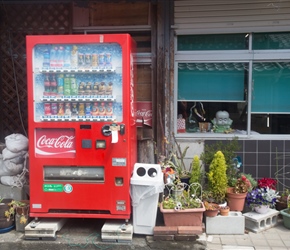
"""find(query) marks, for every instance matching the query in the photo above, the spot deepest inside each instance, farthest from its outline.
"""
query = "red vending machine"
(82, 132)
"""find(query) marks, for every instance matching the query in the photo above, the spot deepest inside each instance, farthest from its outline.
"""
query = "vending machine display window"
(77, 82)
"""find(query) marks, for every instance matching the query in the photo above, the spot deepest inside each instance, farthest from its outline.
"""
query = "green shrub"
(217, 177)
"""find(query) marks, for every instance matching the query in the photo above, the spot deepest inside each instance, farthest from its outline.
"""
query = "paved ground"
(86, 234)
(276, 238)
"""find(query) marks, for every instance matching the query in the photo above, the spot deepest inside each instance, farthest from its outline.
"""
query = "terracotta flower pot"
(224, 211)
(236, 202)
(186, 217)
(211, 213)
(212, 209)
(280, 205)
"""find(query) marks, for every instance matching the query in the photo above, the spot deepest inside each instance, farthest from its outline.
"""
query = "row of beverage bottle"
(66, 85)
(78, 109)
(69, 57)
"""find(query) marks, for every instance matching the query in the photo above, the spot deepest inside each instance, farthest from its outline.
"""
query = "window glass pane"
(213, 42)
(271, 87)
(194, 113)
(270, 123)
(271, 41)
(212, 81)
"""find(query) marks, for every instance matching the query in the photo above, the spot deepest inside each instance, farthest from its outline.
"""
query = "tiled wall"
(259, 159)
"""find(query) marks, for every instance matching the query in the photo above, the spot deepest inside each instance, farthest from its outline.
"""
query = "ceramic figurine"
(222, 122)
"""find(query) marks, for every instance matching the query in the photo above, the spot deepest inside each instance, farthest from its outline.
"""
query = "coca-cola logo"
(144, 113)
(63, 141)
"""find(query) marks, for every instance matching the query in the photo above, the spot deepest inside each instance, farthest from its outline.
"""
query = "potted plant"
(18, 210)
(4, 223)
(236, 195)
(176, 190)
(217, 178)
(262, 197)
(224, 211)
(286, 214)
(186, 210)
(174, 164)
(196, 173)
(281, 202)
(211, 209)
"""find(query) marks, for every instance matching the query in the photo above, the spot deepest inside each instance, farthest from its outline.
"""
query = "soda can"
(88, 90)
(95, 88)
(67, 109)
(74, 109)
(81, 89)
(47, 109)
(95, 109)
(60, 109)
(88, 60)
(54, 108)
(81, 109)
(102, 62)
(73, 85)
(94, 60)
(102, 109)
(74, 57)
(81, 60)
(88, 109)
(108, 60)
(66, 85)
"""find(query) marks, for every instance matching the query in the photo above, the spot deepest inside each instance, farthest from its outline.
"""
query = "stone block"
(259, 222)
(190, 230)
(15, 193)
(181, 237)
(117, 231)
(163, 237)
(234, 223)
(159, 230)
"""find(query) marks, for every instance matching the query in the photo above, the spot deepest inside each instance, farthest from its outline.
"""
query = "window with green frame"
(203, 88)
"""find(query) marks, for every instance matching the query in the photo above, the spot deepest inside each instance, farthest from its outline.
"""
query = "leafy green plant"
(11, 211)
(217, 177)
(185, 201)
(207, 196)
(210, 206)
(196, 174)
(229, 149)
(284, 195)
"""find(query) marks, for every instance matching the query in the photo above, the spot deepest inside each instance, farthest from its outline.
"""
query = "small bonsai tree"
(217, 177)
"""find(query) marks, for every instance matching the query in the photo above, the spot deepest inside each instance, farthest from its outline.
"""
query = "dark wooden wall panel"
(17, 21)
(118, 14)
